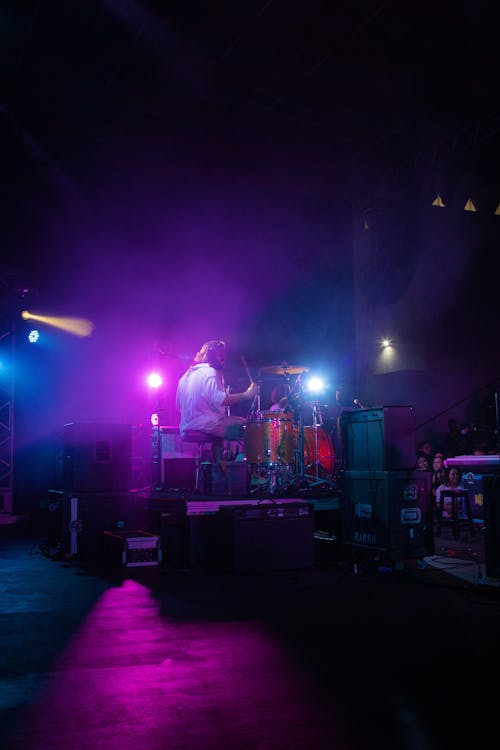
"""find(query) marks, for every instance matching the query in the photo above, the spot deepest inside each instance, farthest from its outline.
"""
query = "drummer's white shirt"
(199, 398)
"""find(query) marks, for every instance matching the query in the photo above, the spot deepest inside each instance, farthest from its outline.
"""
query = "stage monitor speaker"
(96, 457)
(389, 511)
(378, 439)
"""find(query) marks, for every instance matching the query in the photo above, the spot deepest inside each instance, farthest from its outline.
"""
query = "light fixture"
(77, 326)
(315, 384)
(469, 206)
(154, 380)
(497, 210)
(438, 201)
(33, 336)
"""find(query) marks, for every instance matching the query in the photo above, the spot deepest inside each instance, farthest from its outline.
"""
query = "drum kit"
(283, 450)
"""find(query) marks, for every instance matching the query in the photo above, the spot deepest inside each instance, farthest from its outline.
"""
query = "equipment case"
(389, 511)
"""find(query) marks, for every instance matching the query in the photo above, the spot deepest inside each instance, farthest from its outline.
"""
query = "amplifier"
(265, 537)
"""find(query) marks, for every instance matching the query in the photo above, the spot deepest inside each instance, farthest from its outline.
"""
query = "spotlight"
(154, 380)
(315, 384)
(33, 336)
(155, 419)
(385, 343)
(76, 326)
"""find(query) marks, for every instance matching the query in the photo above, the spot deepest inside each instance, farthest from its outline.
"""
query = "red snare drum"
(270, 441)
(326, 455)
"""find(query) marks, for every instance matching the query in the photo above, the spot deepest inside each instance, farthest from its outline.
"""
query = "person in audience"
(452, 481)
(423, 463)
(424, 449)
(438, 475)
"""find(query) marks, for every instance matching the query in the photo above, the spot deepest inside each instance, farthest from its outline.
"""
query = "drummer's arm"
(236, 398)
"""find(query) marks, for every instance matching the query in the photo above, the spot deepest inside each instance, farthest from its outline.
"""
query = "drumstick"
(245, 365)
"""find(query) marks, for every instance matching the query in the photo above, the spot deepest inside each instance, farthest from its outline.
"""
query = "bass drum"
(270, 441)
(326, 454)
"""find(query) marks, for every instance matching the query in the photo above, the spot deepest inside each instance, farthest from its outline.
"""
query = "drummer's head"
(213, 352)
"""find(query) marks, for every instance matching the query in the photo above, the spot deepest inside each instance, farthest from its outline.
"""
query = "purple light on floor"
(133, 665)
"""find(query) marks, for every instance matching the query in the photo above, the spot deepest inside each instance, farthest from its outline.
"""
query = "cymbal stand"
(317, 422)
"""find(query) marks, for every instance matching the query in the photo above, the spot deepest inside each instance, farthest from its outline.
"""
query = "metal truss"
(7, 362)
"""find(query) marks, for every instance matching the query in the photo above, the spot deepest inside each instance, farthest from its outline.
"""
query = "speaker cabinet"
(388, 511)
(378, 439)
(96, 457)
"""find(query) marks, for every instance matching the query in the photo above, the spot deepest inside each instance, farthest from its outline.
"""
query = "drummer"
(203, 399)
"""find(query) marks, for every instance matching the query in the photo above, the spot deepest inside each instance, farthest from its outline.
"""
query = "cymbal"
(284, 369)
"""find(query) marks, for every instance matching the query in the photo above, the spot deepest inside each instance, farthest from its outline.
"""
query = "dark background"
(261, 172)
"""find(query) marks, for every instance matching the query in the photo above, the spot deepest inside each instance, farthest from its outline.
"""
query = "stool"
(210, 448)
(459, 499)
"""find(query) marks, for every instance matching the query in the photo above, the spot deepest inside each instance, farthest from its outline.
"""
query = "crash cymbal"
(284, 369)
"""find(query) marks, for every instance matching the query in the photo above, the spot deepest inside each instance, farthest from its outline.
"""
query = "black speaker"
(266, 537)
(378, 439)
(388, 511)
(491, 487)
(96, 457)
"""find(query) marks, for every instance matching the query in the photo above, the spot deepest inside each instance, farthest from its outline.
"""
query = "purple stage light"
(154, 380)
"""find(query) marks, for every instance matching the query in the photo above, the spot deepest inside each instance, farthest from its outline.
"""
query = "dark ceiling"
(327, 85)
(180, 127)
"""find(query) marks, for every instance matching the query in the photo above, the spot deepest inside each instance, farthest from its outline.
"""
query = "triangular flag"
(438, 201)
(497, 211)
(469, 206)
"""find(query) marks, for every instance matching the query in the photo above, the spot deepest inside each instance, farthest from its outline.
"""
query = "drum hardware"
(284, 369)
(323, 475)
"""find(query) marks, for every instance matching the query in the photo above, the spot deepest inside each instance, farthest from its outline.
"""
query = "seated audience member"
(452, 481)
(424, 449)
(438, 474)
(423, 464)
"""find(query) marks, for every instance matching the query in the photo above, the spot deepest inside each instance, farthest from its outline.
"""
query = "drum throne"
(211, 449)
